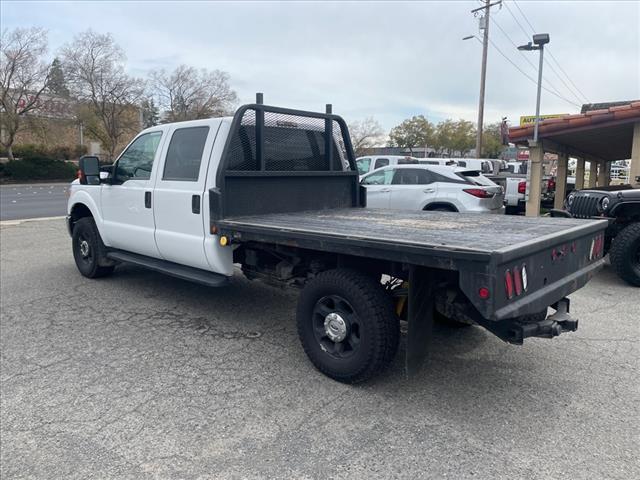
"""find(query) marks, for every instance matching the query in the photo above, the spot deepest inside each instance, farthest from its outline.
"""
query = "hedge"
(38, 168)
(32, 150)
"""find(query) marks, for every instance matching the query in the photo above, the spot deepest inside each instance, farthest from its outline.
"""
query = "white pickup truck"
(275, 191)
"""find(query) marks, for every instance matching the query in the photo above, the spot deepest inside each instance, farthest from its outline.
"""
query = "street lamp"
(539, 41)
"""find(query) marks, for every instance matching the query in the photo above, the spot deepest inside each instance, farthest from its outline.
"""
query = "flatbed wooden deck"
(474, 236)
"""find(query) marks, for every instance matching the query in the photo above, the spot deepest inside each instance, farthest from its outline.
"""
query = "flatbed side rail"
(283, 160)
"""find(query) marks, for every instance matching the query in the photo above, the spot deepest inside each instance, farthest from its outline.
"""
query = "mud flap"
(419, 317)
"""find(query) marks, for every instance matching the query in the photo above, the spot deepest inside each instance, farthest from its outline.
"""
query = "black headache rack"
(280, 160)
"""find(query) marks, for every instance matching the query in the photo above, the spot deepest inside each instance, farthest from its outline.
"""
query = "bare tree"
(189, 94)
(365, 134)
(94, 68)
(23, 77)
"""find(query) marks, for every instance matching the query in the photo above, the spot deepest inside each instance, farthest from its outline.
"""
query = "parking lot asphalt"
(144, 376)
(32, 201)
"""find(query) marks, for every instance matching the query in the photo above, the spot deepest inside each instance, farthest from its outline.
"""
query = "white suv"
(431, 187)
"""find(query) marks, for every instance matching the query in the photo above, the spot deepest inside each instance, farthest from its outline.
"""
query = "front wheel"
(347, 325)
(625, 254)
(88, 250)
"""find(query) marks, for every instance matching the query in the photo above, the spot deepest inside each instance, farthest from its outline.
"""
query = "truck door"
(412, 189)
(179, 189)
(127, 203)
(378, 185)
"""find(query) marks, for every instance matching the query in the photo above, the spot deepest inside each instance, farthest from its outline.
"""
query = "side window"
(137, 161)
(363, 165)
(381, 162)
(185, 154)
(462, 163)
(411, 176)
(379, 178)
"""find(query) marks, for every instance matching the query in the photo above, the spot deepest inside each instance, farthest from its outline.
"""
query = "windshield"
(363, 165)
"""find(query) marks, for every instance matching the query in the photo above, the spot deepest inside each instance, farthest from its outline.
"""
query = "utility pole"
(483, 72)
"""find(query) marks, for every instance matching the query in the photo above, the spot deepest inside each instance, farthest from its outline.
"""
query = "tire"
(441, 209)
(353, 306)
(88, 250)
(625, 254)
(511, 210)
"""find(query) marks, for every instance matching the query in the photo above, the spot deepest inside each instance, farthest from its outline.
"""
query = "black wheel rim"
(341, 314)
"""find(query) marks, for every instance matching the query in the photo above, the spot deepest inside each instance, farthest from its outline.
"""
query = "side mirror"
(106, 173)
(89, 170)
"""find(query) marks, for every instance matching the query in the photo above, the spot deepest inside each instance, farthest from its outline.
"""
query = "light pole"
(539, 41)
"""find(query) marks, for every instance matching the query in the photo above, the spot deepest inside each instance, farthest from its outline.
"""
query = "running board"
(174, 269)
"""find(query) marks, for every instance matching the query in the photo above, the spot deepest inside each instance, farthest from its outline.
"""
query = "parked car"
(620, 204)
(192, 200)
(373, 162)
(432, 187)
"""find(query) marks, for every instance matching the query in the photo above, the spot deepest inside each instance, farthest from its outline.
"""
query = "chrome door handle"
(385, 189)
(428, 190)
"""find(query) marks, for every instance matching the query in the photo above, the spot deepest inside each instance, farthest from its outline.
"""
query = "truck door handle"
(195, 204)
(385, 189)
(429, 190)
(147, 199)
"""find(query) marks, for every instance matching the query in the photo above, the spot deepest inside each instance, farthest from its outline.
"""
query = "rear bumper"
(515, 330)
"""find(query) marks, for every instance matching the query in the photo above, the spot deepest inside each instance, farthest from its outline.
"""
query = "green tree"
(492, 145)
(57, 84)
(150, 112)
(414, 132)
(464, 136)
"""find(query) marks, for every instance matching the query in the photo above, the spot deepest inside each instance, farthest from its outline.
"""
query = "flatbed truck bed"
(463, 236)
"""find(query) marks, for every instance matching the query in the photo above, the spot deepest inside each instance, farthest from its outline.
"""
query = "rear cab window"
(185, 154)
(381, 162)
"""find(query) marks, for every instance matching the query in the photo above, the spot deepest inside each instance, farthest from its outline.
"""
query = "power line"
(533, 30)
(527, 75)
(523, 55)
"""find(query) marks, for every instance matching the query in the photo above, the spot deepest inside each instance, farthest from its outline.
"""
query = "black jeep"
(621, 205)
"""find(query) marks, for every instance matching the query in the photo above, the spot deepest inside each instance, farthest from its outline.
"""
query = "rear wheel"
(347, 325)
(625, 254)
(88, 249)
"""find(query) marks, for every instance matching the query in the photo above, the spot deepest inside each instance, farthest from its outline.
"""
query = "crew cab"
(276, 192)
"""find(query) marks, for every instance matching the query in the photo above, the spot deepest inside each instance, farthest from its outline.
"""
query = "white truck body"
(169, 230)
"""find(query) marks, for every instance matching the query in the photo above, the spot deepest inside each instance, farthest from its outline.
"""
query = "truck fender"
(80, 201)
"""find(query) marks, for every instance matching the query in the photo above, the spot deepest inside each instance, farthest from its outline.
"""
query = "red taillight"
(517, 280)
(597, 247)
(478, 192)
(483, 292)
(508, 283)
(522, 187)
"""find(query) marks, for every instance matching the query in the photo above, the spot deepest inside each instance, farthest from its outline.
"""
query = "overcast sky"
(390, 60)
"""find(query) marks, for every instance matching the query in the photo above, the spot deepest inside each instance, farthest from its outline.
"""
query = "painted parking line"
(7, 223)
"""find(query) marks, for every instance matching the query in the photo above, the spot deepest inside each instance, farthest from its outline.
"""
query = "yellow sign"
(531, 119)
